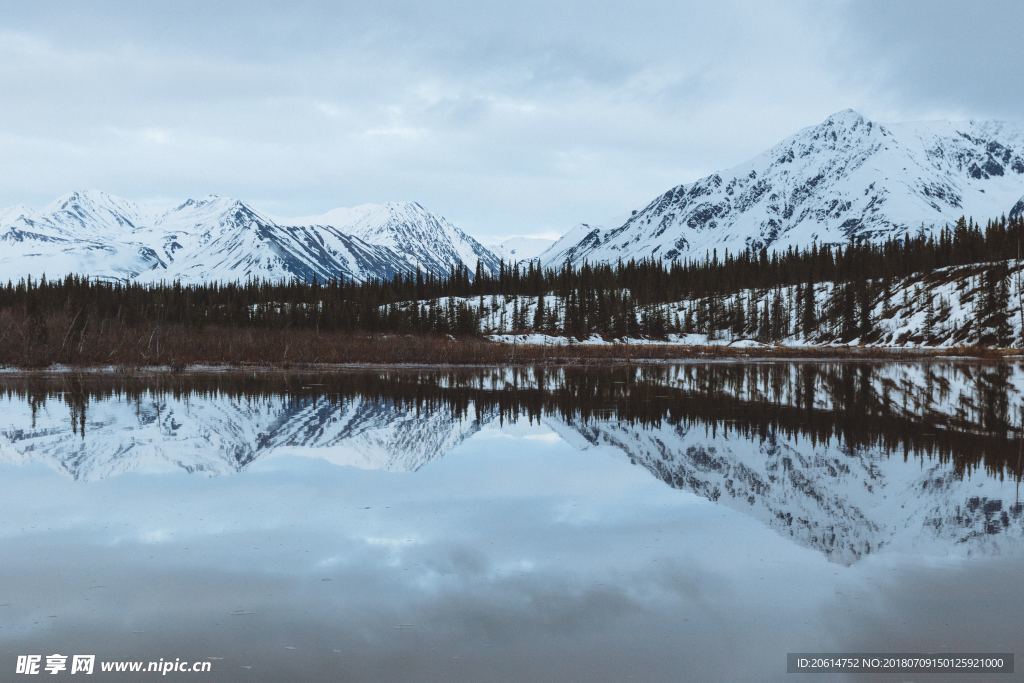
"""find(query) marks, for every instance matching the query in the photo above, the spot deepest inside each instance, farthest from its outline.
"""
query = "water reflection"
(844, 458)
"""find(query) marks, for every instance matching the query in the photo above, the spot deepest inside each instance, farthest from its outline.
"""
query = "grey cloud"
(943, 57)
(507, 118)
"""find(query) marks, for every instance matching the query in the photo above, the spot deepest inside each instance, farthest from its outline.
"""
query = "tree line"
(613, 300)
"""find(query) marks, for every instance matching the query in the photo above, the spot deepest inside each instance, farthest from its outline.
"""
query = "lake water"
(674, 522)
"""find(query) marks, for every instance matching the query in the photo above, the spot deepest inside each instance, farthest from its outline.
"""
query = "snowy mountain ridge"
(222, 239)
(424, 240)
(520, 248)
(1017, 212)
(845, 178)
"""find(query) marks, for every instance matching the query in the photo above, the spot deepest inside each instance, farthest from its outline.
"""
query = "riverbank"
(177, 348)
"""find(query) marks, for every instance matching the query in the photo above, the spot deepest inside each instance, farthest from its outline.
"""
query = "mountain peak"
(1017, 212)
(81, 195)
(193, 202)
(846, 116)
(424, 240)
(215, 238)
(210, 205)
(10, 214)
(843, 128)
(86, 211)
(97, 198)
(845, 178)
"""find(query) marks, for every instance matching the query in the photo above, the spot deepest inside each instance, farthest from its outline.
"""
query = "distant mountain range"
(845, 178)
(521, 248)
(220, 239)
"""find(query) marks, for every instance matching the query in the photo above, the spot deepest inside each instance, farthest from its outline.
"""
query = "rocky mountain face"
(221, 239)
(1017, 212)
(573, 246)
(847, 178)
(422, 240)
(88, 233)
(519, 249)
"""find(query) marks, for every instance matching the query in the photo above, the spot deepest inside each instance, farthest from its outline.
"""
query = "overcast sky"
(508, 118)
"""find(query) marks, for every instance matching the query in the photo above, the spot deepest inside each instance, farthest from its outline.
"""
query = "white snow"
(424, 240)
(520, 248)
(223, 239)
(847, 177)
(900, 319)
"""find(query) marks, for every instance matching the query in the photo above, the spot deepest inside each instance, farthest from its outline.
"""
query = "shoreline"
(524, 355)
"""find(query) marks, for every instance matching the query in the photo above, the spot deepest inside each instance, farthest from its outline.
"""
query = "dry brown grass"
(60, 340)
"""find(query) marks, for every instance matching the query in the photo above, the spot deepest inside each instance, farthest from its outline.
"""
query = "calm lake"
(693, 521)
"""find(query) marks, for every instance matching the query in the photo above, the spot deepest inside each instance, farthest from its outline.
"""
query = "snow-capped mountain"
(845, 178)
(224, 239)
(423, 240)
(522, 248)
(92, 214)
(221, 239)
(1017, 211)
(573, 245)
(88, 233)
(12, 213)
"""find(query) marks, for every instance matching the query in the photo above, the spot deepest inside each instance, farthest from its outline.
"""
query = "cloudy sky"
(508, 118)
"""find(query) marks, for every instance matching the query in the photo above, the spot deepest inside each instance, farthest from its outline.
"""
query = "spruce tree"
(865, 324)
(808, 316)
(538, 314)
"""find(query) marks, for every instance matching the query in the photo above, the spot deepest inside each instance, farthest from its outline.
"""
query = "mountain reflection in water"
(845, 458)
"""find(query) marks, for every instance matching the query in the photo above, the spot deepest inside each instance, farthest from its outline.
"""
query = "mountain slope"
(524, 248)
(846, 178)
(89, 233)
(573, 246)
(221, 239)
(422, 239)
(1017, 212)
(224, 239)
(93, 213)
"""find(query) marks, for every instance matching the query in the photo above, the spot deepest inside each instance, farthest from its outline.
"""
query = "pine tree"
(808, 316)
(928, 331)
(538, 314)
(848, 310)
(778, 320)
(865, 324)
(764, 331)
(995, 305)
(739, 321)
